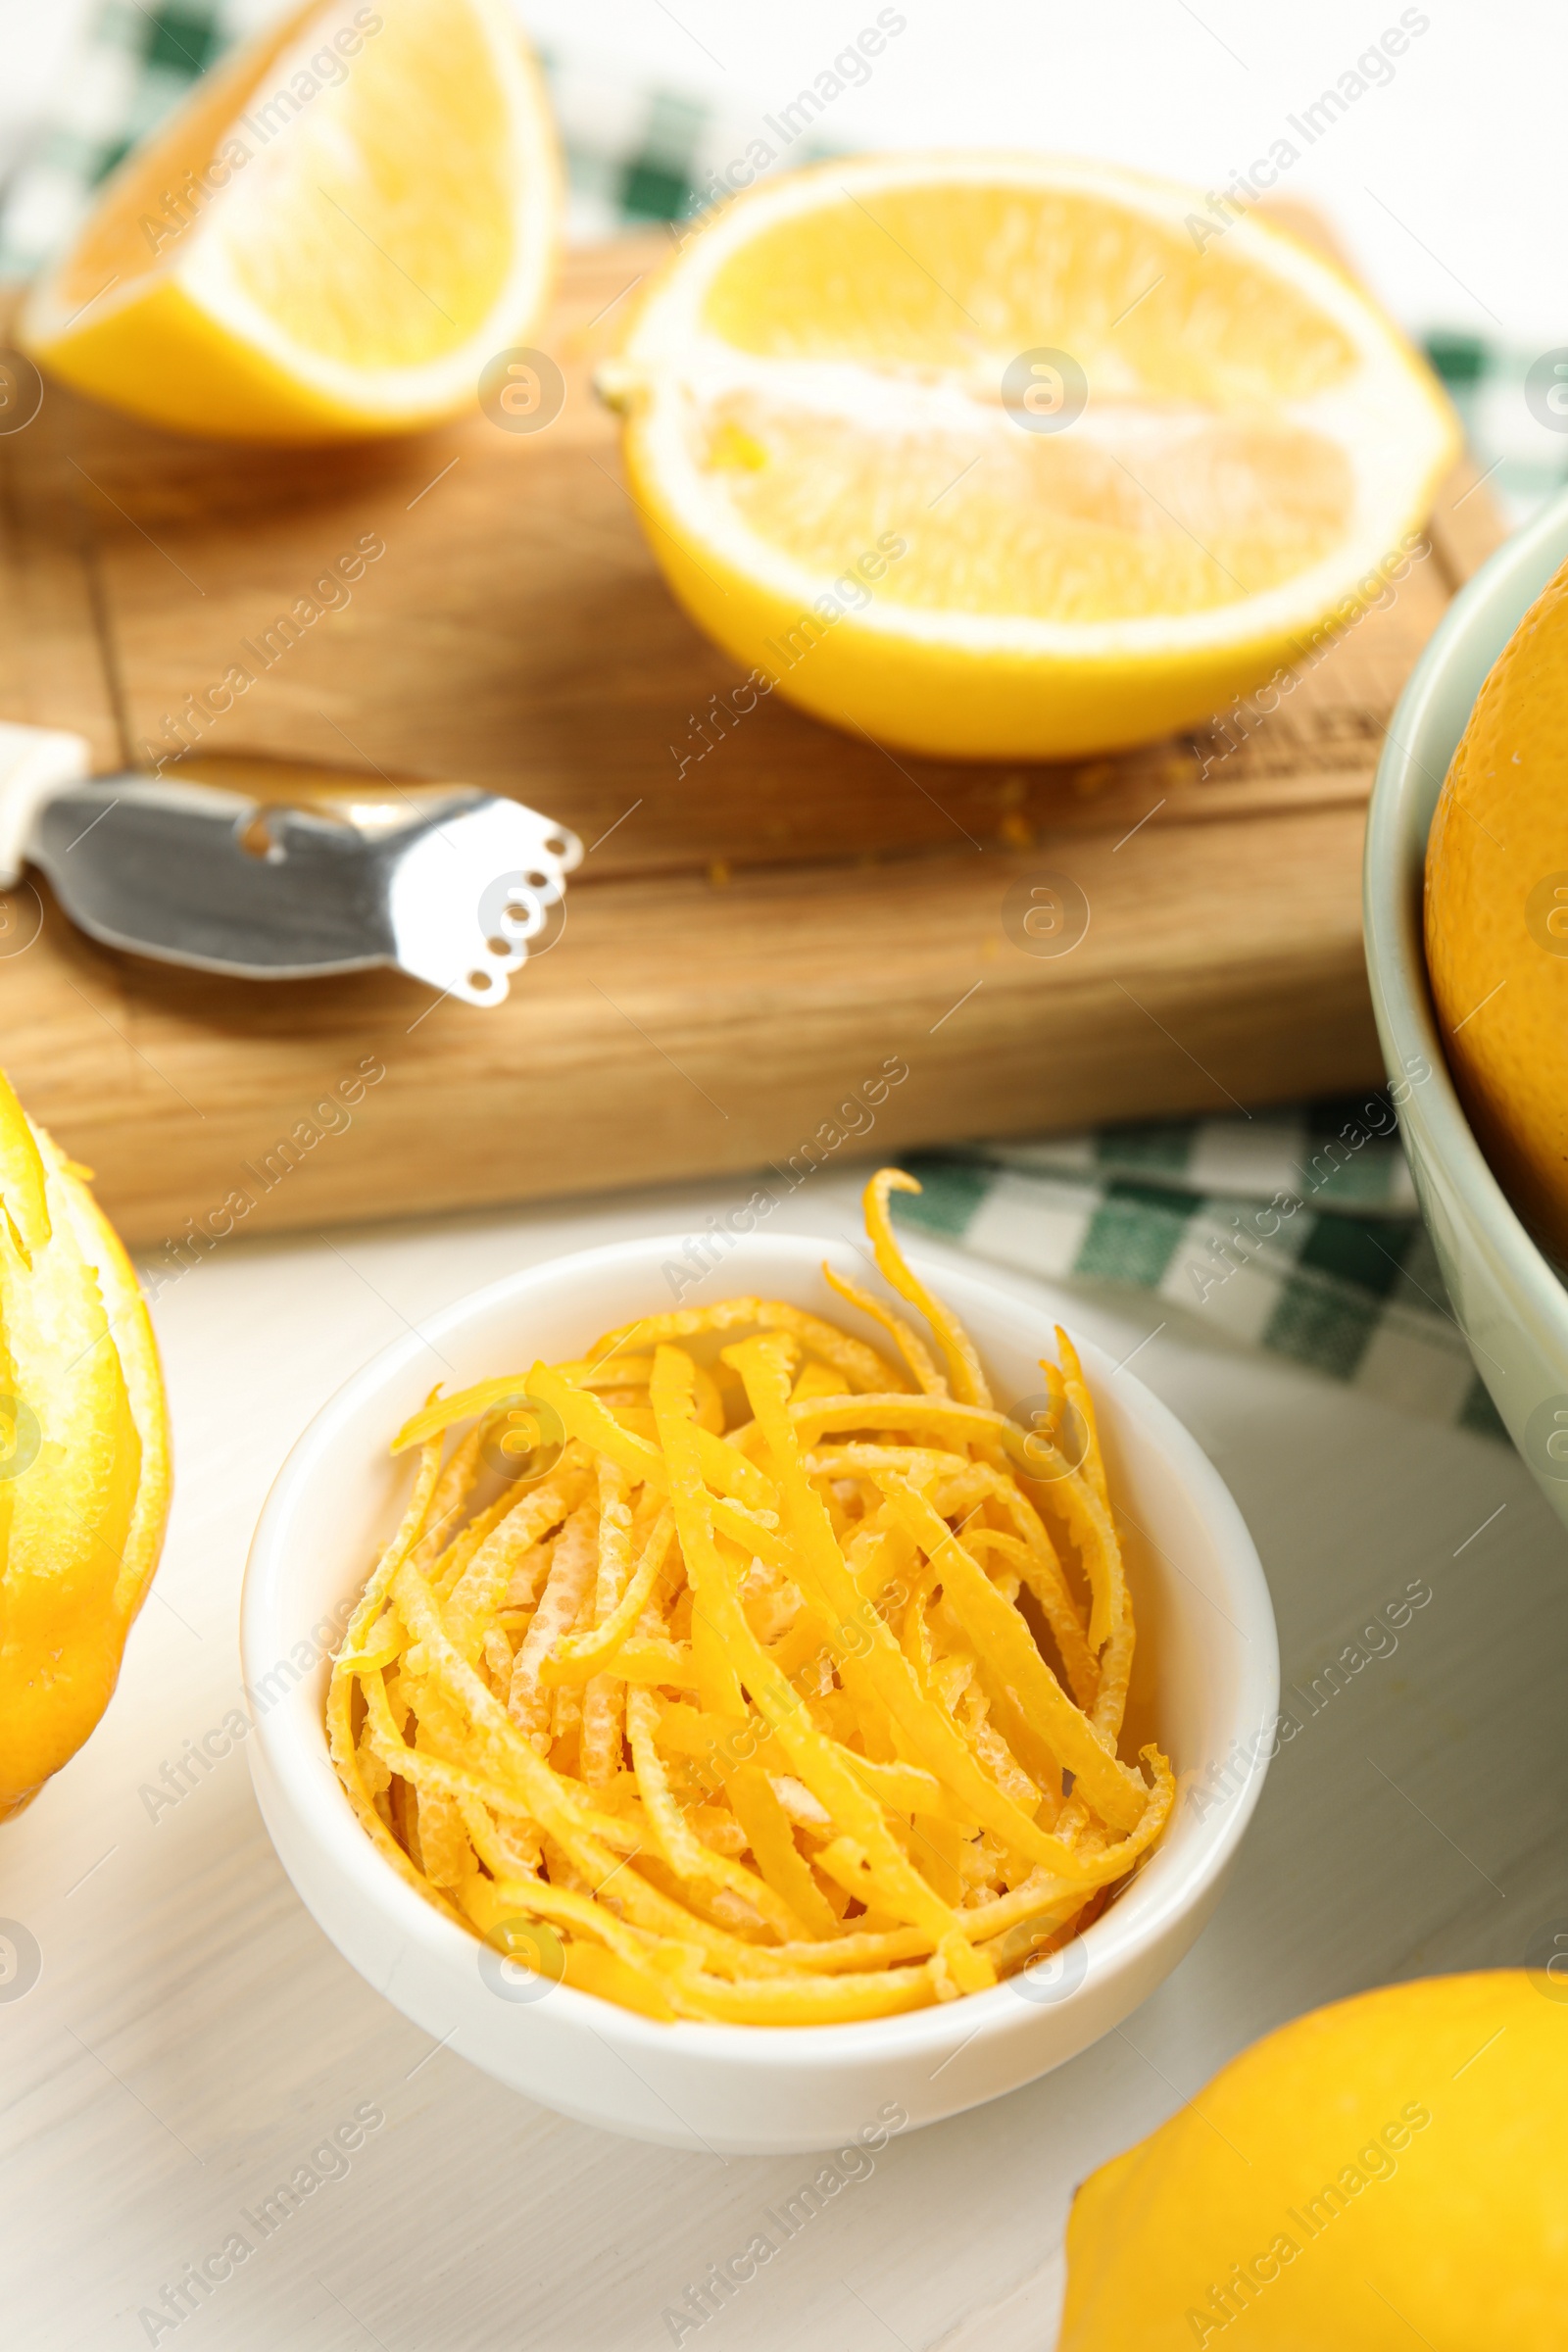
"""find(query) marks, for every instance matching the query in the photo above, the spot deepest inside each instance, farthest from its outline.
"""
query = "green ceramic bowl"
(1511, 1305)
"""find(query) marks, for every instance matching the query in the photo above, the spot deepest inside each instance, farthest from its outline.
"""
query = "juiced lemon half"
(1008, 456)
(330, 239)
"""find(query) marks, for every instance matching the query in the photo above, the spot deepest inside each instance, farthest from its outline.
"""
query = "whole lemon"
(1496, 917)
(83, 1457)
(1387, 2172)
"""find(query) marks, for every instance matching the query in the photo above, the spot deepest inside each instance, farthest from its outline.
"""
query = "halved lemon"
(329, 239)
(1002, 456)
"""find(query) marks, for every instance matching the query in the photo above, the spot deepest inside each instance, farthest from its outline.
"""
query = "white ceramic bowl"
(1511, 1305)
(1207, 1682)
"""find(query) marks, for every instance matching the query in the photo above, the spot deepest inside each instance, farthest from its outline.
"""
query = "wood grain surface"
(770, 911)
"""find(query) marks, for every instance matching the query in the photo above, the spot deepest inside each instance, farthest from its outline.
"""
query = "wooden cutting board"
(771, 916)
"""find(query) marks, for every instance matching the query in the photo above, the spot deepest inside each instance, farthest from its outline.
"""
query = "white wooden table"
(192, 2038)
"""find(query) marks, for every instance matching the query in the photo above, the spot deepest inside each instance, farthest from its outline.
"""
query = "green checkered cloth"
(1293, 1232)
(1296, 1232)
(1521, 444)
(634, 154)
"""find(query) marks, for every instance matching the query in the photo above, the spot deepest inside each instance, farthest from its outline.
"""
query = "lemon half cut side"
(991, 455)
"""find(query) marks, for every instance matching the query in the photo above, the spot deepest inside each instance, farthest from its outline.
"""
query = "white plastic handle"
(34, 762)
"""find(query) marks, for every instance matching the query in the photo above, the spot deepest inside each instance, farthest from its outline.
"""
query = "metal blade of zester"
(448, 883)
